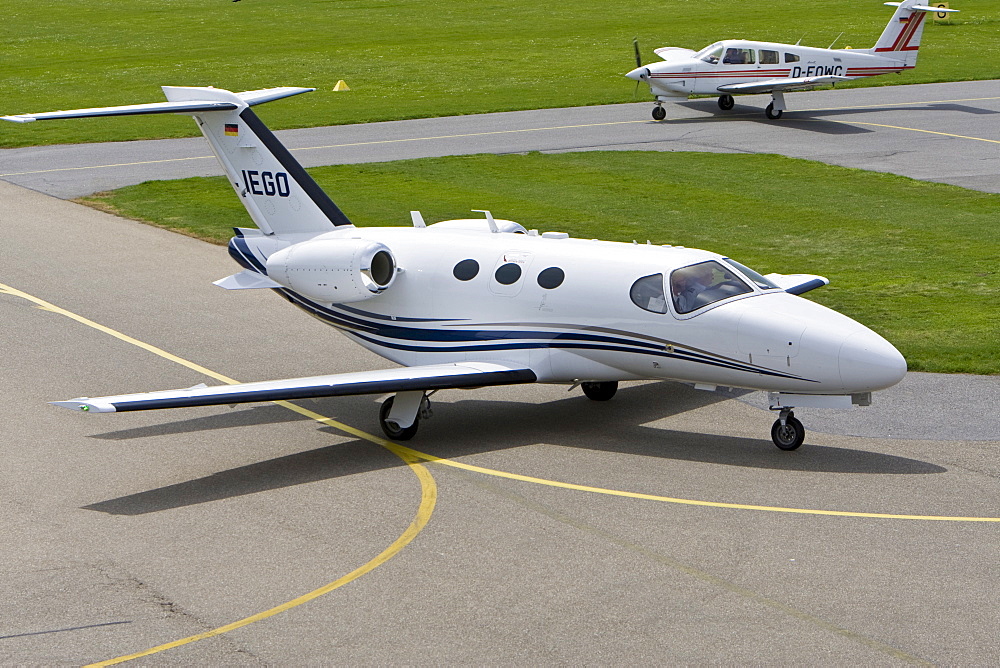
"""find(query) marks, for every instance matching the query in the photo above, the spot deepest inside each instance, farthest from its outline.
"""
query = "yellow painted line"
(930, 132)
(428, 489)
(544, 129)
(402, 450)
(686, 502)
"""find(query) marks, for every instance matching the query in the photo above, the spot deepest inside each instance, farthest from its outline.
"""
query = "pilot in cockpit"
(686, 284)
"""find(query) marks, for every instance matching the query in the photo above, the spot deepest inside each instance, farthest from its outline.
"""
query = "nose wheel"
(659, 113)
(787, 432)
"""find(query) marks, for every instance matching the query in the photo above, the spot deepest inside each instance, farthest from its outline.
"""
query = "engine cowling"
(334, 270)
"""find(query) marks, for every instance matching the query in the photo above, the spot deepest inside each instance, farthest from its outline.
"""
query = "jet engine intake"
(335, 271)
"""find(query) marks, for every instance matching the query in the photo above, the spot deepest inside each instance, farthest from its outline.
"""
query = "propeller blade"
(638, 58)
(635, 91)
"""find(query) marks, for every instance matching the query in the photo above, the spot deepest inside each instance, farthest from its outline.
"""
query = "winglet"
(85, 405)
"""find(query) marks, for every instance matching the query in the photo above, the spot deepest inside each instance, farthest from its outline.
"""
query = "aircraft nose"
(868, 362)
(639, 74)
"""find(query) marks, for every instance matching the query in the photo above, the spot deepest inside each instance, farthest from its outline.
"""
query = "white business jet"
(477, 302)
(739, 66)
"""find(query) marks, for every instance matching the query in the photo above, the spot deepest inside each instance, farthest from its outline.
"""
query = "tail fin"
(901, 37)
(277, 192)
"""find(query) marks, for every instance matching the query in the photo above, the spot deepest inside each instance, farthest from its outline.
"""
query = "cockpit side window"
(736, 56)
(712, 57)
(705, 283)
(647, 294)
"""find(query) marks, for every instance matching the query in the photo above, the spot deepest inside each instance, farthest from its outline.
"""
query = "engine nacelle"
(334, 270)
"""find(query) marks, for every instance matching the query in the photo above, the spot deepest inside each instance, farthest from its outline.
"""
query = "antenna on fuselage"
(489, 220)
(835, 40)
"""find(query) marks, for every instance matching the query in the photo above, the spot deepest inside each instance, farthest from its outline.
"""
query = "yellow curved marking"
(417, 455)
(502, 132)
(686, 502)
(428, 489)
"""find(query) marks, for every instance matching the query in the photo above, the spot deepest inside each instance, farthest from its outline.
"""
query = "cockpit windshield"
(705, 283)
(762, 282)
(710, 54)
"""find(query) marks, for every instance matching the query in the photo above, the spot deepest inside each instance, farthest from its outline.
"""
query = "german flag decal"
(232, 130)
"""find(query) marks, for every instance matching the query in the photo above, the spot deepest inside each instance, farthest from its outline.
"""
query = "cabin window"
(704, 283)
(768, 57)
(736, 56)
(647, 294)
(466, 270)
(551, 278)
(791, 58)
(508, 274)
(712, 57)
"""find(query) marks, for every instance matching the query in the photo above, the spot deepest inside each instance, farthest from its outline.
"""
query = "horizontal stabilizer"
(193, 105)
(431, 377)
(922, 8)
(796, 284)
(783, 84)
(246, 280)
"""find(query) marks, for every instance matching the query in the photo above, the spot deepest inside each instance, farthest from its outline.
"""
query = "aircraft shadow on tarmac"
(468, 427)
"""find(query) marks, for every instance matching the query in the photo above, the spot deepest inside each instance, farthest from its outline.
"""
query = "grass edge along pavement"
(409, 59)
(915, 261)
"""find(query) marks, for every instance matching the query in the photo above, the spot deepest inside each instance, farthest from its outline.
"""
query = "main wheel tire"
(726, 102)
(788, 436)
(600, 391)
(771, 112)
(391, 429)
(659, 113)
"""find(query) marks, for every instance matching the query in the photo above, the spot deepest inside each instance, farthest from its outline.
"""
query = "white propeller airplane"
(739, 66)
(476, 302)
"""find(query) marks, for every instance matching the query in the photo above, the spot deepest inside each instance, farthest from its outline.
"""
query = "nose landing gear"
(659, 113)
(787, 432)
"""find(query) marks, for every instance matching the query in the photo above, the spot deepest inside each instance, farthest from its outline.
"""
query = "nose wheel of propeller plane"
(771, 112)
(787, 432)
(659, 113)
(726, 102)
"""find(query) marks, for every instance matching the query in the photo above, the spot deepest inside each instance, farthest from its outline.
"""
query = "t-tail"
(280, 196)
(901, 38)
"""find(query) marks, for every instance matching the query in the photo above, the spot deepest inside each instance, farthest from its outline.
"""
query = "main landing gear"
(726, 102)
(787, 432)
(600, 391)
(399, 419)
(772, 113)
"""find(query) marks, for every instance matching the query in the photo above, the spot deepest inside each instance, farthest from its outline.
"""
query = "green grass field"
(915, 261)
(406, 58)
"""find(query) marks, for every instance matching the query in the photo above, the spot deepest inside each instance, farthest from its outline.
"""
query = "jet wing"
(796, 284)
(784, 84)
(430, 377)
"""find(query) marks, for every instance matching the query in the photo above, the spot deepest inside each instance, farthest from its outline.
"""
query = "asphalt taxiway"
(936, 132)
(662, 526)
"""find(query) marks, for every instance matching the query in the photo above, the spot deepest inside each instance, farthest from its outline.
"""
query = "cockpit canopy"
(696, 286)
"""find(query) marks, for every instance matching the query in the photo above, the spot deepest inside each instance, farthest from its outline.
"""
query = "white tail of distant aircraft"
(472, 303)
(748, 67)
